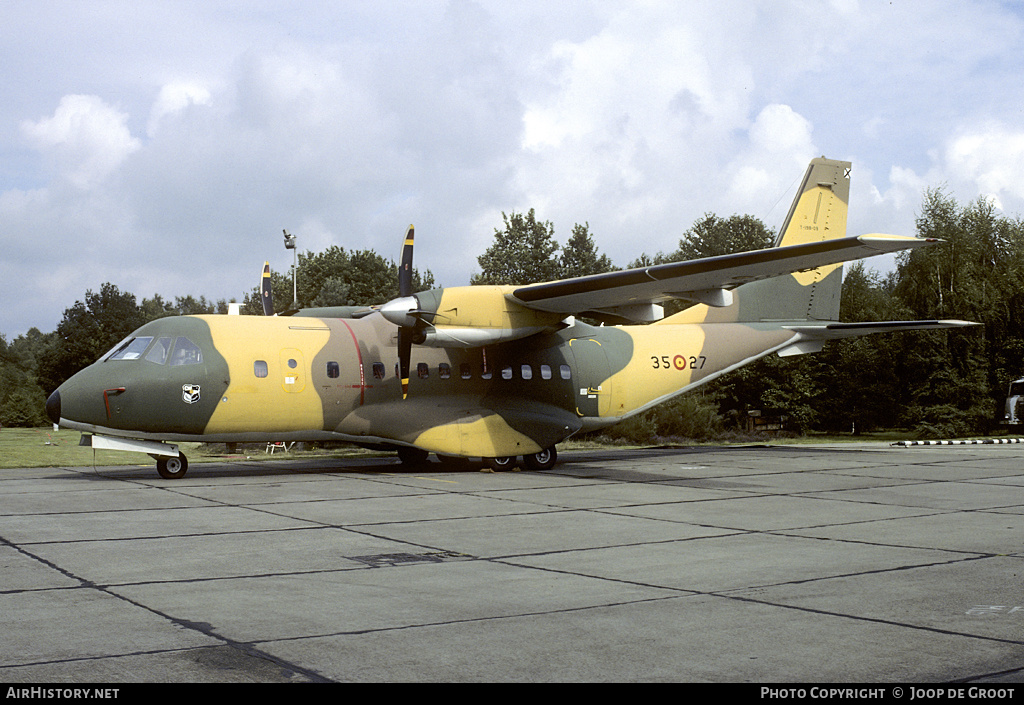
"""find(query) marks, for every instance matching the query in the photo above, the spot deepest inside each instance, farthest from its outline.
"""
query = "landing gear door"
(591, 378)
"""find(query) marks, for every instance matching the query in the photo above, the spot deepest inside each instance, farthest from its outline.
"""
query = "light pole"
(289, 244)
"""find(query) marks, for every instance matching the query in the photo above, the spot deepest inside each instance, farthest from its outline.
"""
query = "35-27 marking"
(678, 362)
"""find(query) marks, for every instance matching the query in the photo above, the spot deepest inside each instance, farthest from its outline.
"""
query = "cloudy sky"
(163, 146)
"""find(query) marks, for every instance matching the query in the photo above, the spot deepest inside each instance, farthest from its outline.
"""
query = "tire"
(506, 463)
(171, 468)
(544, 460)
(412, 456)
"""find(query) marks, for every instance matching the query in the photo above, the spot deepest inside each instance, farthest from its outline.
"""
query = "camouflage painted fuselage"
(291, 378)
(495, 371)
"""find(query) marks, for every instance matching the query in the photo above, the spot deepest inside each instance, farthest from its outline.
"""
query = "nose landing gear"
(171, 467)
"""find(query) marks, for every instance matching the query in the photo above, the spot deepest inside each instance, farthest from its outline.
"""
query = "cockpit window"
(158, 353)
(130, 348)
(186, 352)
(166, 350)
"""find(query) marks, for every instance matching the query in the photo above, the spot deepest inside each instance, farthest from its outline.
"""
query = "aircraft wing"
(708, 280)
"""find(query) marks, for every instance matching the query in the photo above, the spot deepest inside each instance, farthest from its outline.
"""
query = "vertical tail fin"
(818, 213)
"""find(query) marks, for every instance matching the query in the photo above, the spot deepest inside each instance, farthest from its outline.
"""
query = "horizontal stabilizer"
(833, 331)
(812, 337)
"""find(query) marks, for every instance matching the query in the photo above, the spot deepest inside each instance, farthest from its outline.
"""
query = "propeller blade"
(265, 292)
(404, 353)
(406, 324)
(405, 268)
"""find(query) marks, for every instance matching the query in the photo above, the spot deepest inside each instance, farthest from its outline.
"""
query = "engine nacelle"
(467, 316)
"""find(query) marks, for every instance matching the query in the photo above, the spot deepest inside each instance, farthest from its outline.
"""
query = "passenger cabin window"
(422, 370)
(259, 368)
(464, 371)
(333, 370)
(444, 370)
(526, 371)
(545, 371)
(506, 372)
(565, 372)
(378, 370)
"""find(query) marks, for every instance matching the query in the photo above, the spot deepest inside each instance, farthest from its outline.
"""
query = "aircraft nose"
(53, 407)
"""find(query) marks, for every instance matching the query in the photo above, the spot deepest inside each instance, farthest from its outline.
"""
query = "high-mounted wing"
(709, 280)
(799, 279)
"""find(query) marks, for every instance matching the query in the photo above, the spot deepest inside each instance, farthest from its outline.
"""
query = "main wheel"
(171, 468)
(544, 460)
(506, 463)
(412, 456)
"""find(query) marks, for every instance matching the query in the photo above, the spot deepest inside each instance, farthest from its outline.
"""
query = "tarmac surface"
(815, 564)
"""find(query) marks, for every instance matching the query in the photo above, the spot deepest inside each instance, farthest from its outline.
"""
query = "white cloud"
(991, 158)
(175, 97)
(344, 123)
(781, 131)
(86, 139)
(779, 146)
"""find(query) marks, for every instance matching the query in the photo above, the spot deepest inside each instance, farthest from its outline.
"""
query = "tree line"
(935, 383)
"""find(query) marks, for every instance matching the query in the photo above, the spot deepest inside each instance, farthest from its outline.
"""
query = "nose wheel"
(172, 468)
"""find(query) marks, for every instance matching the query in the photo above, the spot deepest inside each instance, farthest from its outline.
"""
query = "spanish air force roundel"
(190, 393)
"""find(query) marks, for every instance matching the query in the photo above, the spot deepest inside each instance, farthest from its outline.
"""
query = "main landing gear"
(544, 460)
(172, 468)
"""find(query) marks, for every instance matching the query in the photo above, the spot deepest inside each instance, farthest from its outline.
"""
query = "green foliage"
(935, 383)
(21, 399)
(688, 417)
(859, 379)
(157, 307)
(526, 252)
(712, 236)
(523, 252)
(89, 329)
(336, 277)
(579, 256)
(976, 274)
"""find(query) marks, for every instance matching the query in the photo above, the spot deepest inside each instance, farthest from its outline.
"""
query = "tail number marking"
(678, 362)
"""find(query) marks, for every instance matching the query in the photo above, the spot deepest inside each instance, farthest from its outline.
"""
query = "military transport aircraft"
(491, 372)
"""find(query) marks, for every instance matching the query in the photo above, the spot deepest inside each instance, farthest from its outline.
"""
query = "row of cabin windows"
(444, 370)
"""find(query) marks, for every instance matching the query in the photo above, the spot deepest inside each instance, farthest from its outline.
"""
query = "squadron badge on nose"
(190, 393)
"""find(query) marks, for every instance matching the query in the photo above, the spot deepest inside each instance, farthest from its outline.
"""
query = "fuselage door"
(591, 377)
